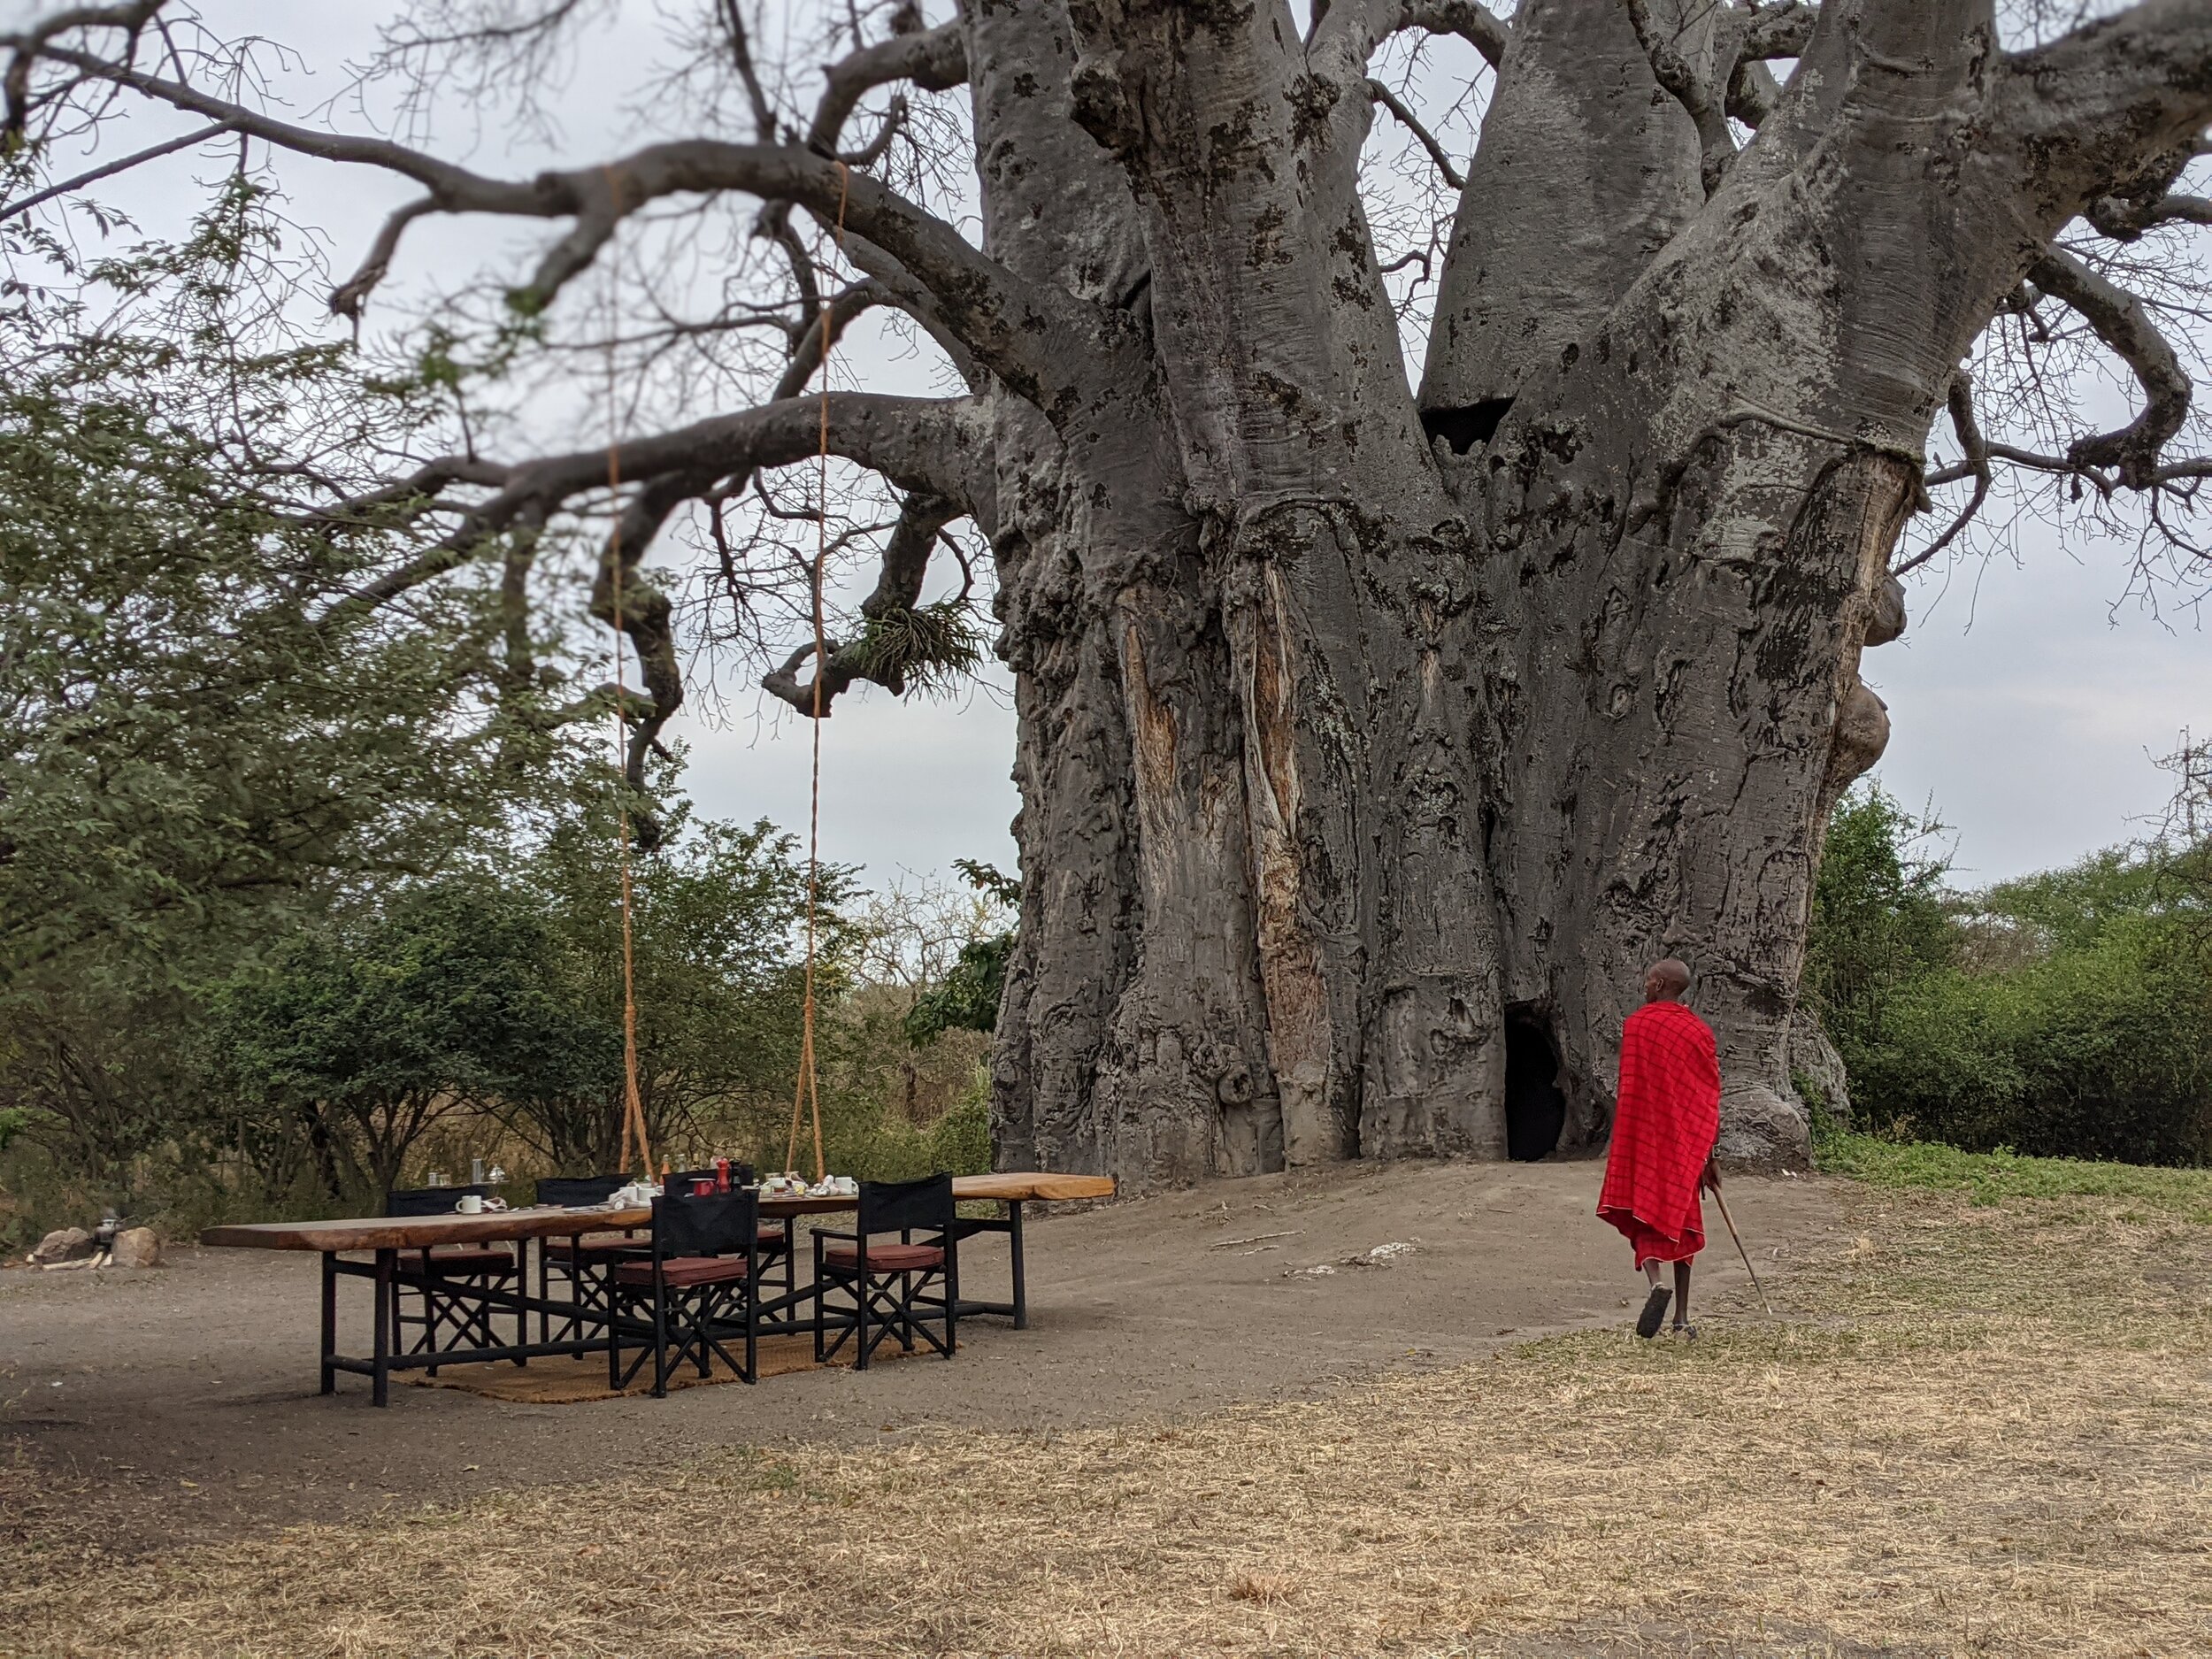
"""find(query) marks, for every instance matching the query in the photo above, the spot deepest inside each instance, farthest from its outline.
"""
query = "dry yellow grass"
(1983, 1431)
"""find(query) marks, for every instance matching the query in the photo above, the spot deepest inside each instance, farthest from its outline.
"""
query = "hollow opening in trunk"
(1535, 1105)
(1467, 427)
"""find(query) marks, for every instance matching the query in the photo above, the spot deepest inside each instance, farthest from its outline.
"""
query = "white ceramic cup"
(471, 1204)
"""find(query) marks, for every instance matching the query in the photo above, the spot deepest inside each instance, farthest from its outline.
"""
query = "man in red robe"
(1663, 1131)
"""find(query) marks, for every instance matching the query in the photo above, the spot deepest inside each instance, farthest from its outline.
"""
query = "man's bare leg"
(1655, 1305)
(1682, 1325)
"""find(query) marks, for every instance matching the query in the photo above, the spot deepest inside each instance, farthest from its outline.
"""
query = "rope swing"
(633, 1102)
(807, 1096)
(806, 1100)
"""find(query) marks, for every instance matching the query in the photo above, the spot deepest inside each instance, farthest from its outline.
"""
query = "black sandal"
(1655, 1311)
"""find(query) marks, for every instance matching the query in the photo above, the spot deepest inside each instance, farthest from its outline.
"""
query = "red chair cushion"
(886, 1258)
(680, 1271)
(459, 1259)
(771, 1234)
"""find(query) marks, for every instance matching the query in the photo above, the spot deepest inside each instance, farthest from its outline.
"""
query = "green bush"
(2098, 1051)
(2066, 1014)
(867, 1141)
(1879, 921)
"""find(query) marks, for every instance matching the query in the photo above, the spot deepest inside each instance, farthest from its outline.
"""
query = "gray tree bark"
(1374, 740)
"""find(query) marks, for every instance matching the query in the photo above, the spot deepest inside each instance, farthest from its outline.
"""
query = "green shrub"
(871, 1142)
(1879, 920)
(2066, 1014)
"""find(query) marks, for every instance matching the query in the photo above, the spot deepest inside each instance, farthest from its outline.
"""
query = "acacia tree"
(1368, 719)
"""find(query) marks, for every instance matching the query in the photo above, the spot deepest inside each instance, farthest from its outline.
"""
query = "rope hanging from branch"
(806, 1097)
(633, 1102)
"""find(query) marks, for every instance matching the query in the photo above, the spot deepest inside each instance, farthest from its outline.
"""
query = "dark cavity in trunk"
(1535, 1106)
(1467, 427)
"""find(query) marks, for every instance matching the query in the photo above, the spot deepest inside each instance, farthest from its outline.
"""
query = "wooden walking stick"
(1747, 1268)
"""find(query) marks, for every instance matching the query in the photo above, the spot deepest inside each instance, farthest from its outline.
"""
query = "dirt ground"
(153, 1409)
(1974, 1424)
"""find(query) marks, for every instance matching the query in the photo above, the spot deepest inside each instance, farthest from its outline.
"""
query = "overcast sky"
(2027, 701)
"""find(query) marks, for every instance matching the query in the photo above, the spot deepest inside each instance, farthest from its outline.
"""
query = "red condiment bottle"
(721, 1175)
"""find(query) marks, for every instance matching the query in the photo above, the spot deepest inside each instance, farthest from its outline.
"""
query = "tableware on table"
(721, 1175)
(471, 1204)
(702, 1186)
(476, 1171)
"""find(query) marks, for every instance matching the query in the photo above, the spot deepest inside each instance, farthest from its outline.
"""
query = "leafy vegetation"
(2068, 1013)
(302, 893)
(967, 997)
(1991, 1178)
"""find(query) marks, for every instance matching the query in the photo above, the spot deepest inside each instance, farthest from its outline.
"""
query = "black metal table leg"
(330, 1320)
(522, 1284)
(380, 1365)
(1014, 1238)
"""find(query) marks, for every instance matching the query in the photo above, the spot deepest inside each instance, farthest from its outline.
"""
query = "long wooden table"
(385, 1237)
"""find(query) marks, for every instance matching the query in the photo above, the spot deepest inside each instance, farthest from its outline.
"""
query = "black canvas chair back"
(575, 1192)
(427, 1201)
(721, 1224)
(448, 1320)
(889, 1288)
(700, 1296)
(900, 1205)
(680, 1182)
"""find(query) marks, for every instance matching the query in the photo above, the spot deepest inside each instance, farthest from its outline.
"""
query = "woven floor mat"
(561, 1381)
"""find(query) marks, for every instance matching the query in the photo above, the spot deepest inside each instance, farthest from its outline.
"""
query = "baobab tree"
(1376, 722)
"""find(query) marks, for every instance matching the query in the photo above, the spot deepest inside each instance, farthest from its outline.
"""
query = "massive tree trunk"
(1356, 804)
(1373, 737)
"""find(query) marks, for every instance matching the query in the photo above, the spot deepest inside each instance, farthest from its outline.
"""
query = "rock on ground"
(137, 1246)
(63, 1244)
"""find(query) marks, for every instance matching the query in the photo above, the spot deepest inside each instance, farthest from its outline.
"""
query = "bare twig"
(152, 152)
(1976, 449)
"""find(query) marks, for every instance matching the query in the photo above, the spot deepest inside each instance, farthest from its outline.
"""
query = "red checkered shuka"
(1664, 1130)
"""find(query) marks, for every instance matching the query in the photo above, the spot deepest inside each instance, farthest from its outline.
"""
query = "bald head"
(1665, 980)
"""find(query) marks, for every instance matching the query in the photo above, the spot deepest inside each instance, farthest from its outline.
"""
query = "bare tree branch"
(1977, 467)
(422, 484)
(449, 186)
(1744, 38)
(2123, 323)
(1036, 338)
(1767, 32)
(28, 44)
(1752, 92)
(1480, 28)
(346, 300)
(1391, 100)
(2123, 220)
(741, 54)
(152, 152)
(1358, 27)
(1717, 145)
(2083, 113)
(920, 443)
(935, 60)
(898, 588)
